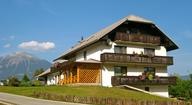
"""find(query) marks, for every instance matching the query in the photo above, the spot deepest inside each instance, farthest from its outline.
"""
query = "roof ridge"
(138, 18)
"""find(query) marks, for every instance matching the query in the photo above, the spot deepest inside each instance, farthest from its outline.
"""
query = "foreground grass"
(91, 91)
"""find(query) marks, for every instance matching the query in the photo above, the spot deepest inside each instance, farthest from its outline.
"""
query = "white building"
(1, 83)
(132, 51)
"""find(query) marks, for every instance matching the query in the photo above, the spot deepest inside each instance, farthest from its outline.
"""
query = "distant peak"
(21, 54)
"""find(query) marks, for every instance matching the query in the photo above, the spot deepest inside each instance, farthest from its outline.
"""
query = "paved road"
(22, 100)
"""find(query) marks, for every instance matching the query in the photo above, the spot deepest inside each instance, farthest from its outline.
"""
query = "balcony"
(132, 58)
(135, 80)
(137, 38)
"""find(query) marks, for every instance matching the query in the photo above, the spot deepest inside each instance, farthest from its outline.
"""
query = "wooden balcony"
(139, 59)
(135, 80)
(141, 38)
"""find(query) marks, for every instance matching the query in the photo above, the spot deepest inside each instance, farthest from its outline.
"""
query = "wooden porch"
(79, 73)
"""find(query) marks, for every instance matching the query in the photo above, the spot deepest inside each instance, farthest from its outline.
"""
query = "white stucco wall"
(52, 79)
(135, 70)
(94, 51)
(161, 90)
(108, 72)
(160, 51)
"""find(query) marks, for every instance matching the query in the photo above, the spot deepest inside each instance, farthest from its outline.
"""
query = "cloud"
(37, 46)
(7, 45)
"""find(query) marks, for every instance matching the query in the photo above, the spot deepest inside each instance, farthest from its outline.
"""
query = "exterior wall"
(52, 79)
(161, 51)
(108, 72)
(161, 90)
(138, 70)
(94, 51)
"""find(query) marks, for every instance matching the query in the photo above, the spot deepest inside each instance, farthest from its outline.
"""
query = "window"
(120, 71)
(149, 51)
(121, 49)
(149, 72)
(147, 89)
(85, 55)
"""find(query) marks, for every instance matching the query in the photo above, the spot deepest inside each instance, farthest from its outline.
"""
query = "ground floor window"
(147, 89)
(120, 71)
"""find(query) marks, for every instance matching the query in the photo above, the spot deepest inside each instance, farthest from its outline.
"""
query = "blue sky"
(53, 26)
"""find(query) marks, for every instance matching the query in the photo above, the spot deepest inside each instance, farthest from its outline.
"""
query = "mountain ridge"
(20, 63)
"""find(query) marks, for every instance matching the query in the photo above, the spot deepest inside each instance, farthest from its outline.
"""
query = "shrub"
(36, 83)
(26, 84)
(13, 81)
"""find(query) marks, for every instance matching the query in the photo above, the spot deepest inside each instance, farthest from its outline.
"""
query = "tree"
(25, 81)
(37, 72)
(13, 81)
(25, 78)
(182, 89)
(190, 75)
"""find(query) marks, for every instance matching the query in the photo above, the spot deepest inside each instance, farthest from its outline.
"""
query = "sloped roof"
(95, 37)
(45, 73)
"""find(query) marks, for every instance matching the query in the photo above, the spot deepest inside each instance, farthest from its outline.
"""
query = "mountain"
(20, 63)
(185, 77)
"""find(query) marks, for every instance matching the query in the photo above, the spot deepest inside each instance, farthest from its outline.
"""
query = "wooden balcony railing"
(135, 80)
(137, 38)
(131, 58)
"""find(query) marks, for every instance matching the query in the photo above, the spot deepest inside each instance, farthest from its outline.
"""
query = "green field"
(94, 91)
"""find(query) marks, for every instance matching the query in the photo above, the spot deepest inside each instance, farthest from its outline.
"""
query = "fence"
(104, 101)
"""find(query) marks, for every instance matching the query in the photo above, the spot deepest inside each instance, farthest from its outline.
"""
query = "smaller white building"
(1, 83)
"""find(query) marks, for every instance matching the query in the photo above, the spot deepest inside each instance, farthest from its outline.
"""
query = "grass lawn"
(95, 91)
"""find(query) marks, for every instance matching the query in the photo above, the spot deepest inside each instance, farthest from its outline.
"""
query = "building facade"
(132, 51)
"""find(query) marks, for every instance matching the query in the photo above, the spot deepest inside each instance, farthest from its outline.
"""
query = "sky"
(47, 28)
